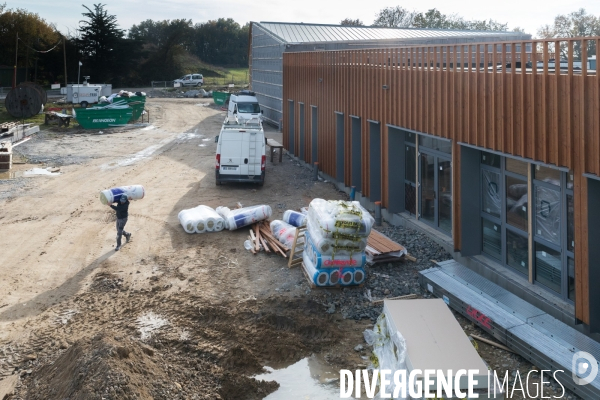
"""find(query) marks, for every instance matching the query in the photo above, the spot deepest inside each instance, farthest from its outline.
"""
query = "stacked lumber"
(262, 239)
(380, 248)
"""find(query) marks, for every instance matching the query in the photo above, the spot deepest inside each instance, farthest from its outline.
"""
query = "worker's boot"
(118, 247)
(127, 236)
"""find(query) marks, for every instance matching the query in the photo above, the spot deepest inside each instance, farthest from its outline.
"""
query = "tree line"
(168, 49)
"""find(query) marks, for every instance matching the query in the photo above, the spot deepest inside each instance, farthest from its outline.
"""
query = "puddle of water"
(10, 175)
(308, 379)
(30, 172)
(39, 171)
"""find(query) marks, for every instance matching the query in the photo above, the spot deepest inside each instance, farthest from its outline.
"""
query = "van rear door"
(231, 152)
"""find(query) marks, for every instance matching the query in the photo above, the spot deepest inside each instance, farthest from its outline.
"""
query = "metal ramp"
(537, 336)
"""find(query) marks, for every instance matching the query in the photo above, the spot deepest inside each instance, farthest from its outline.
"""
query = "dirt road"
(208, 307)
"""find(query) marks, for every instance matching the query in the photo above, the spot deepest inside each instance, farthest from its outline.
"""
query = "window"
(490, 192)
(548, 267)
(546, 174)
(436, 144)
(492, 239)
(410, 174)
(517, 252)
(493, 160)
(516, 202)
(252, 108)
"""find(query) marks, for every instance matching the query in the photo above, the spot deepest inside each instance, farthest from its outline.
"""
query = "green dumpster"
(220, 98)
(137, 103)
(99, 118)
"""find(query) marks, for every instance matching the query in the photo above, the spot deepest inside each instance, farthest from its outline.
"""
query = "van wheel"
(218, 182)
(261, 183)
(84, 104)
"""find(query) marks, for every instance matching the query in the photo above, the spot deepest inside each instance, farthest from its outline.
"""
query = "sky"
(528, 15)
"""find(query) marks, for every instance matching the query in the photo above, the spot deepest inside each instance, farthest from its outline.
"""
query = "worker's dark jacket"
(121, 209)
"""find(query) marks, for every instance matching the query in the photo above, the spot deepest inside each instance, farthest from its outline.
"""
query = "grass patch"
(37, 119)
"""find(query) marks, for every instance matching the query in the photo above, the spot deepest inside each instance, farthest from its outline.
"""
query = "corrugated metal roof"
(314, 33)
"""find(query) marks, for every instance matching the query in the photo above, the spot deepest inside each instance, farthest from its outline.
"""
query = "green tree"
(576, 24)
(351, 22)
(394, 17)
(34, 34)
(99, 41)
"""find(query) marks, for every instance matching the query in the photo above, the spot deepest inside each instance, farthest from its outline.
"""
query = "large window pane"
(490, 192)
(547, 214)
(571, 279)
(410, 137)
(445, 195)
(548, 267)
(516, 202)
(516, 166)
(517, 252)
(546, 174)
(492, 239)
(428, 187)
(410, 164)
(410, 198)
(570, 223)
(436, 144)
(493, 160)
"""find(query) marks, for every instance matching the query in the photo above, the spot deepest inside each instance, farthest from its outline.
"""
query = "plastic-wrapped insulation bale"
(283, 232)
(356, 259)
(211, 220)
(238, 218)
(294, 218)
(334, 277)
(389, 348)
(134, 192)
(359, 276)
(335, 247)
(189, 219)
(346, 276)
(319, 277)
(342, 217)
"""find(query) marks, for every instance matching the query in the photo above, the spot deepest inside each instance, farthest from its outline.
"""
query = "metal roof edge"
(269, 32)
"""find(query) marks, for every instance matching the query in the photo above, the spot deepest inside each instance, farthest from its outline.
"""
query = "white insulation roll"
(134, 192)
(334, 247)
(238, 218)
(359, 276)
(283, 232)
(200, 219)
(347, 276)
(318, 276)
(340, 217)
(356, 259)
(294, 218)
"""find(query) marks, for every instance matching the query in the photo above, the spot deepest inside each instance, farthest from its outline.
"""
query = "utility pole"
(65, 57)
(14, 85)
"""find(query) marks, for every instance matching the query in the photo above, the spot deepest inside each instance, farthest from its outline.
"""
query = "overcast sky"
(528, 14)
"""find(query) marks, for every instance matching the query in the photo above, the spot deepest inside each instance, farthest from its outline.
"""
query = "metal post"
(377, 213)
(352, 193)
(316, 171)
(65, 57)
(14, 85)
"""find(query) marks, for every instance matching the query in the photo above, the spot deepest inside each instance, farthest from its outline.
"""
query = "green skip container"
(99, 118)
(221, 98)
(137, 103)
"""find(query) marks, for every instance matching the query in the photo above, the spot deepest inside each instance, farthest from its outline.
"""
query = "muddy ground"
(170, 315)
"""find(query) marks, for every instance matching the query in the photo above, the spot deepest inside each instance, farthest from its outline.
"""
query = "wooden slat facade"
(548, 116)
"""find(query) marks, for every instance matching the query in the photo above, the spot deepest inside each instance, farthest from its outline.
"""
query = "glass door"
(436, 191)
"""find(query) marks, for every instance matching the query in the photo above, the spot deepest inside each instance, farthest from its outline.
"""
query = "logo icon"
(585, 368)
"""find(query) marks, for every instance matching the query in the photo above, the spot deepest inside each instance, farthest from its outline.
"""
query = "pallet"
(296, 254)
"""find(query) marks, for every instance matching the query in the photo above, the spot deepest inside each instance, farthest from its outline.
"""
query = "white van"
(243, 106)
(241, 152)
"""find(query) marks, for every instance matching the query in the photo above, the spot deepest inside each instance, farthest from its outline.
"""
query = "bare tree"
(351, 22)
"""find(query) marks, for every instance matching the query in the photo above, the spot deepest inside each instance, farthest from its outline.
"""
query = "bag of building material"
(357, 259)
(359, 276)
(341, 217)
(238, 218)
(340, 244)
(134, 192)
(319, 277)
(294, 218)
(283, 232)
(389, 348)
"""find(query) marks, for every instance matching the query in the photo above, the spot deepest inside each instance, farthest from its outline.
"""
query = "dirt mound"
(177, 347)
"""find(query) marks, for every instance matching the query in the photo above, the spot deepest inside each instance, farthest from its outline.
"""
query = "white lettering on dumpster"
(104, 120)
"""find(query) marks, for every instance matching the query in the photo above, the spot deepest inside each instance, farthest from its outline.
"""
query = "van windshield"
(252, 108)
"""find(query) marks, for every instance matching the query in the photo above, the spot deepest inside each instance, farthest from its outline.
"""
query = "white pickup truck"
(241, 153)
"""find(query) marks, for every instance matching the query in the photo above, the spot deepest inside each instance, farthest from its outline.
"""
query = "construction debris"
(380, 249)
(261, 238)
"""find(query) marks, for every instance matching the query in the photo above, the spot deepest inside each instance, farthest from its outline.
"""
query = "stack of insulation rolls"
(336, 238)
